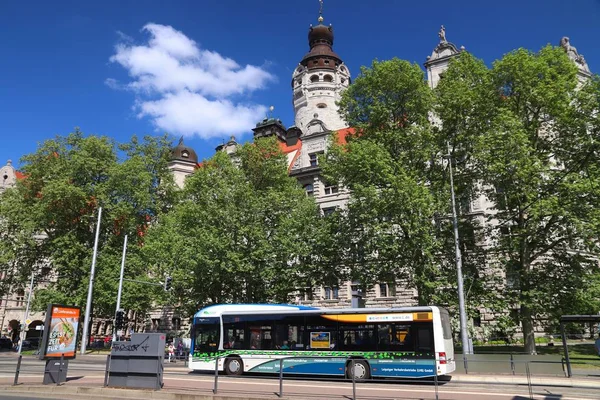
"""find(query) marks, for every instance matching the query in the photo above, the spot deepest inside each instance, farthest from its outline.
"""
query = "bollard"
(512, 364)
(280, 377)
(353, 379)
(16, 382)
(107, 371)
(216, 375)
(435, 378)
(187, 358)
(466, 364)
(62, 358)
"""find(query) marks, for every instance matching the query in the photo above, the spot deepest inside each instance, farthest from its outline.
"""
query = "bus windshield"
(206, 334)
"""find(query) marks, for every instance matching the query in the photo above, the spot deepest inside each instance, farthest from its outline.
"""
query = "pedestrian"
(171, 350)
(180, 349)
(597, 345)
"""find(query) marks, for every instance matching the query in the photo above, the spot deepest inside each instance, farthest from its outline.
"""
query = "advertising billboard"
(61, 332)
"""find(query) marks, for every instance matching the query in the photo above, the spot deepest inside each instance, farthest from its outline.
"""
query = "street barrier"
(520, 371)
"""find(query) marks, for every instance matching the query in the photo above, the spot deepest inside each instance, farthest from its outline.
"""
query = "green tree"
(239, 231)
(387, 233)
(531, 133)
(67, 179)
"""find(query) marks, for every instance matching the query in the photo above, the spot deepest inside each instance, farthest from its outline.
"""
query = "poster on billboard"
(61, 332)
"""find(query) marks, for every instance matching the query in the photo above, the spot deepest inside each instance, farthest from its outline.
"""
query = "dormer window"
(326, 62)
(185, 154)
(321, 105)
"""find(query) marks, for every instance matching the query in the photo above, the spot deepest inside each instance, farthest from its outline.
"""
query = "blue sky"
(208, 69)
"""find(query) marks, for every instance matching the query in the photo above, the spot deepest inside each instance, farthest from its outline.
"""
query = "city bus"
(403, 342)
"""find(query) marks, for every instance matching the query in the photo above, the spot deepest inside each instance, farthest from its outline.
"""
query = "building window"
(185, 154)
(314, 78)
(328, 211)
(331, 189)
(176, 323)
(328, 78)
(332, 293)
(313, 158)
(385, 290)
(326, 62)
(20, 297)
(477, 319)
(321, 105)
(308, 294)
(155, 324)
(310, 190)
(298, 82)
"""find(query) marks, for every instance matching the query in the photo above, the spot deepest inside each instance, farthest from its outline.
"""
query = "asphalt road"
(89, 371)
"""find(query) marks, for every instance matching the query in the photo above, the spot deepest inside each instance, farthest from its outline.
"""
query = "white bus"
(405, 342)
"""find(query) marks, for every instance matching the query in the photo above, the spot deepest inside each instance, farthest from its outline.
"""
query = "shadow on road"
(548, 397)
(74, 378)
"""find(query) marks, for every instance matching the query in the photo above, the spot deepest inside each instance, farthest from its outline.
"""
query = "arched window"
(314, 78)
(328, 78)
(321, 105)
(298, 82)
(310, 190)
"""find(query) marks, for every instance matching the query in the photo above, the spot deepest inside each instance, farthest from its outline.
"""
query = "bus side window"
(384, 335)
(424, 339)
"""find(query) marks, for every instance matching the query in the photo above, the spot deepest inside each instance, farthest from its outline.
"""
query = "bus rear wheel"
(234, 366)
(360, 370)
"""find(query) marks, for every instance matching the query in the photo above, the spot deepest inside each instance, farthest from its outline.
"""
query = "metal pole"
(464, 334)
(88, 305)
(566, 349)
(120, 284)
(58, 379)
(24, 333)
(529, 380)
(16, 381)
(107, 371)
(216, 375)
(353, 379)
(435, 379)
(280, 378)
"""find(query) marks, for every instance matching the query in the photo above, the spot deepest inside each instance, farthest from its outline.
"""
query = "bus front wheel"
(360, 370)
(234, 366)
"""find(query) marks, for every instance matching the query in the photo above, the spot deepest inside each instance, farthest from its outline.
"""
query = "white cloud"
(188, 90)
(190, 113)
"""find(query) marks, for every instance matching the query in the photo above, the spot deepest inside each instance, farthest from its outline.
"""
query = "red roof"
(342, 134)
(288, 149)
(19, 175)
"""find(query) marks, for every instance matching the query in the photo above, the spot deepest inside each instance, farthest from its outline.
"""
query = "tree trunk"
(528, 329)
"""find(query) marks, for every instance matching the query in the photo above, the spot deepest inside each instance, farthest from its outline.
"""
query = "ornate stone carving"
(444, 48)
(573, 54)
(442, 34)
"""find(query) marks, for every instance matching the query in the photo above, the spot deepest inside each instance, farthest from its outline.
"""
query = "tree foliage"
(387, 231)
(52, 213)
(241, 231)
(530, 133)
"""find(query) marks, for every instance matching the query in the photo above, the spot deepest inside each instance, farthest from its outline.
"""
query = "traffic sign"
(28, 321)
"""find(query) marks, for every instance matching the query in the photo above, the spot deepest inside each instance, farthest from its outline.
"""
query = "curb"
(522, 380)
(79, 392)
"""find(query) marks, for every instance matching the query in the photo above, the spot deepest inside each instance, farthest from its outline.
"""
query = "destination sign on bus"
(389, 317)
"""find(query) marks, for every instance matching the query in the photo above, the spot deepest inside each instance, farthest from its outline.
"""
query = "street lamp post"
(88, 305)
(464, 333)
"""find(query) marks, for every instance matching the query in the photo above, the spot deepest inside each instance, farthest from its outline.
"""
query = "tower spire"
(320, 19)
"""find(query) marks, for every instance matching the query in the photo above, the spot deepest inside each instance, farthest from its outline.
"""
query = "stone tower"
(318, 81)
(439, 59)
(183, 162)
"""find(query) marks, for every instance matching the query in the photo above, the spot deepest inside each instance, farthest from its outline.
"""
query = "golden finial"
(320, 11)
